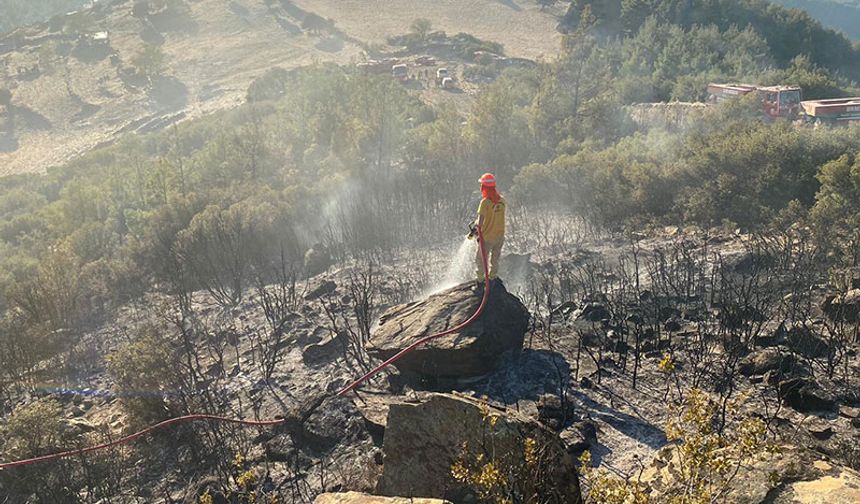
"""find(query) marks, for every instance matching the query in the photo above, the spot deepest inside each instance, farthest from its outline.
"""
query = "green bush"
(143, 371)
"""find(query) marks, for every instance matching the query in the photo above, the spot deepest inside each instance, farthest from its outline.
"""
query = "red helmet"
(488, 180)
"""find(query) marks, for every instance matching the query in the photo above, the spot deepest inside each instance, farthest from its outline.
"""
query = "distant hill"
(165, 61)
(788, 33)
(838, 15)
(15, 13)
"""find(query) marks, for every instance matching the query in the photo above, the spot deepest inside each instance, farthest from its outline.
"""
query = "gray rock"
(422, 441)
(325, 351)
(849, 412)
(820, 430)
(335, 420)
(553, 412)
(844, 307)
(473, 351)
(579, 437)
(803, 341)
(805, 395)
(324, 288)
(762, 361)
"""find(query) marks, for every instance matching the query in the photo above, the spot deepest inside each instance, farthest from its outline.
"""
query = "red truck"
(777, 101)
(833, 111)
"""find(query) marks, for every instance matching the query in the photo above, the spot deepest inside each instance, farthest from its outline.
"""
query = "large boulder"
(468, 353)
(362, 498)
(423, 441)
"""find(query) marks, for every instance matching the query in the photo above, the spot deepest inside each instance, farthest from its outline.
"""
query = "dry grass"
(520, 25)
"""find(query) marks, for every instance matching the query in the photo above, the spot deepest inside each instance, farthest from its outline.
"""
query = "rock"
(362, 498)
(844, 307)
(312, 337)
(672, 325)
(279, 449)
(471, 352)
(210, 485)
(579, 437)
(805, 395)
(762, 361)
(422, 441)
(789, 476)
(734, 317)
(326, 351)
(776, 338)
(803, 341)
(80, 426)
(552, 412)
(317, 260)
(335, 420)
(849, 412)
(820, 430)
(324, 288)
(593, 312)
(564, 310)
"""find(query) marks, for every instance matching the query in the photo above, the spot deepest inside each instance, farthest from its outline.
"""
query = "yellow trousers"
(494, 253)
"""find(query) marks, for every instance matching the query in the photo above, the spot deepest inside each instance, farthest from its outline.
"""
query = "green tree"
(143, 370)
(421, 28)
(150, 62)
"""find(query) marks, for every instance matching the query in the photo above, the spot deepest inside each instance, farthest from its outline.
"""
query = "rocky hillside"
(608, 372)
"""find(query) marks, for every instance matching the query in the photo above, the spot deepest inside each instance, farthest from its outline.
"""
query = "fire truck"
(777, 101)
(833, 111)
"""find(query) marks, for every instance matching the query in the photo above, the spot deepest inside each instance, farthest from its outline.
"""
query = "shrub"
(143, 371)
(704, 460)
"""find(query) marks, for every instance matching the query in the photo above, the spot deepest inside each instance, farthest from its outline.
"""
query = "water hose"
(265, 423)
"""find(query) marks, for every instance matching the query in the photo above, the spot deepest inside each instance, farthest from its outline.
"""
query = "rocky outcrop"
(762, 361)
(844, 307)
(422, 442)
(325, 351)
(789, 476)
(361, 498)
(805, 395)
(805, 342)
(471, 352)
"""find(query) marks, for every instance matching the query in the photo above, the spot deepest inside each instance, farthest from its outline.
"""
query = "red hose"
(264, 423)
(132, 437)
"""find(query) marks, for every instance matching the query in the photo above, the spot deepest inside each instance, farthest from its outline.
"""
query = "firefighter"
(491, 220)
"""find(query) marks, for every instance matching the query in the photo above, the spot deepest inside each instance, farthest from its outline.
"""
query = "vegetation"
(838, 15)
(705, 461)
(149, 62)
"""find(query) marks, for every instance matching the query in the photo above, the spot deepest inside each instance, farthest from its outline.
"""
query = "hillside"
(843, 16)
(16, 13)
(68, 96)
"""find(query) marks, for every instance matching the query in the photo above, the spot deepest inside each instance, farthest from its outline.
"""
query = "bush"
(704, 461)
(144, 371)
